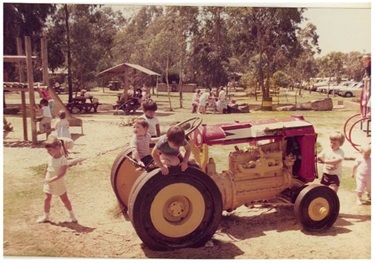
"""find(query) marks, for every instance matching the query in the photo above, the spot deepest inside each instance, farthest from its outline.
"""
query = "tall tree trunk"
(70, 86)
(168, 89)
(180, 84)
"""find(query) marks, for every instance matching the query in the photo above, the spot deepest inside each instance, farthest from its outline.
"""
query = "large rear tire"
(178, 210)
(317, 207)
(123, 176)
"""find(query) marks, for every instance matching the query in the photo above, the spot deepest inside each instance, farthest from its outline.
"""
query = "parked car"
(354, 90)
(323, 89)
(335, 88)
(318, 85)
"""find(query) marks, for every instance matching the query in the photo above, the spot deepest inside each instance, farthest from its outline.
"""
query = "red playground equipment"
(363, 119)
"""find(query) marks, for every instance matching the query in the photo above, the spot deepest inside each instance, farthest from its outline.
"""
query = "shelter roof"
(120, 69)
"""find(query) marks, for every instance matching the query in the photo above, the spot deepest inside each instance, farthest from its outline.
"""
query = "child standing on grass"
(332, 158)
(166, 152)
(45, 122)
(62, 126)
(203, 99)
(362, 173)
(54, 179)
(195, 101)
(149, 109)
(140, 142)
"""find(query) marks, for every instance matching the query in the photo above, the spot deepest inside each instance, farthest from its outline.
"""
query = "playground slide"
(59, 105)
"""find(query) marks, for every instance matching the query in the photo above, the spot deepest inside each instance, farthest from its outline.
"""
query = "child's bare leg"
(64, 198)
(48, 128)
(47, 202)
(47, 206)
(334, 187)
(41, 125)
(169, 160)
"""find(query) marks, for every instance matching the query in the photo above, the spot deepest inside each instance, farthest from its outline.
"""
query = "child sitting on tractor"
(166, 152)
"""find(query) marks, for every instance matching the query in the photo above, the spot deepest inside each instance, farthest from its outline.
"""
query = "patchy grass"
(38, 170)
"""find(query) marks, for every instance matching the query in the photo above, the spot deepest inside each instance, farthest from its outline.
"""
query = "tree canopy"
(207, 45)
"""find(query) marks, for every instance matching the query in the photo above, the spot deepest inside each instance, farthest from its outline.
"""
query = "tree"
(304, 66)
(353, 66)
(271, 34)
(22, 20)
(282, 79)
(210, 48)
(131, 40)
(332, 65)
(182, 21)
(163, 50)
(81, 38)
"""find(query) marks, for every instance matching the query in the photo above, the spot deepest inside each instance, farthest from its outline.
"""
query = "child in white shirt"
(332, 158)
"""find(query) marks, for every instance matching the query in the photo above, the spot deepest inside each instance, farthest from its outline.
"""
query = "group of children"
(200, 101)
(166, 153)
(46, 109)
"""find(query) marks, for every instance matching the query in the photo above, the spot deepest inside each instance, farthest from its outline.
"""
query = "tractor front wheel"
(317, 207)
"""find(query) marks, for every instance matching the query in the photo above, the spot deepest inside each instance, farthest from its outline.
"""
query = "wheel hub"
(318, 209)
(176, 209)
(176, 215)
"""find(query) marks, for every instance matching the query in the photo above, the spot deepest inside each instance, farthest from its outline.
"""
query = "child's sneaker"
(73, 219)
(42, 219)
(359, 202)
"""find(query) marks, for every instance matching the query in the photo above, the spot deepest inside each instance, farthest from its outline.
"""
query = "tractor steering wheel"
(136, 164)
(190, 125)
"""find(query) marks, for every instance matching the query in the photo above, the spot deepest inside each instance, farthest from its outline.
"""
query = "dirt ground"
(103, 232)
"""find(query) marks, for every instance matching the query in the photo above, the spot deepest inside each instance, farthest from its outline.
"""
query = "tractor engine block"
(256, 173)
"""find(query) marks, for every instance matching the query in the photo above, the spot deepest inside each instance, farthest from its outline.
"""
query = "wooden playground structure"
(27, 85)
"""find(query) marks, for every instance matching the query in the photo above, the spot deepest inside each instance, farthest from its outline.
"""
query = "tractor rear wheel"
(178, 210)
(123, 176)
(317, 207)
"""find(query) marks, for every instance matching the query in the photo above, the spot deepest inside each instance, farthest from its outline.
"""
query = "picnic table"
(83, 104)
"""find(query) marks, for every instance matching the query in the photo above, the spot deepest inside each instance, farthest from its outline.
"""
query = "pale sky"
(342, 29)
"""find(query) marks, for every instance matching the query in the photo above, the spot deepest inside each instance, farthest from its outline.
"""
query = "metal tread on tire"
(317, 208)
(178, 210)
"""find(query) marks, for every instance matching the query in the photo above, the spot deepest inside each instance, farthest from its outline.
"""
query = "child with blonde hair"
(362, 173)
(332, 158)
(55, 170)
(62, 126)
(140, 142)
